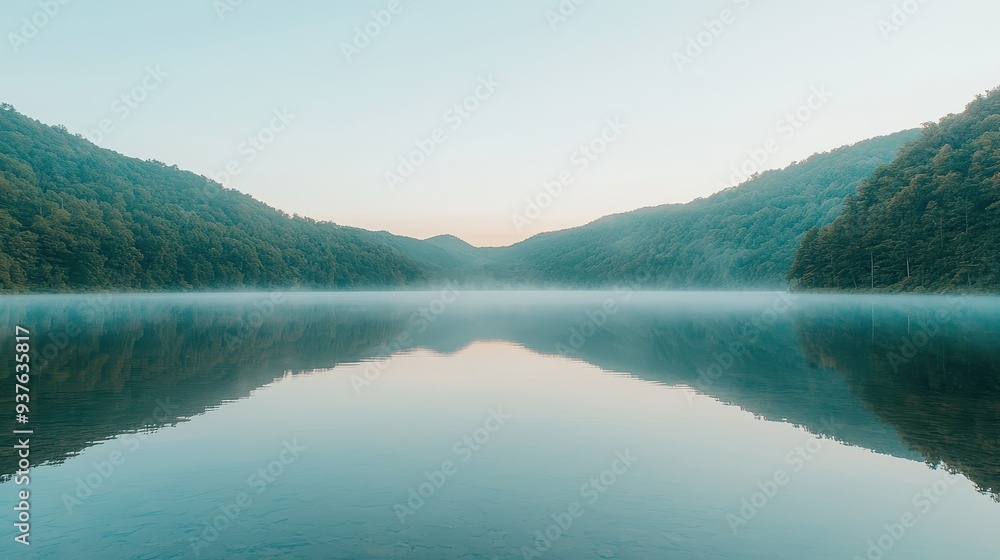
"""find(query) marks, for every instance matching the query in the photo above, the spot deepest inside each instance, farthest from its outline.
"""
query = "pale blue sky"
(686, 130)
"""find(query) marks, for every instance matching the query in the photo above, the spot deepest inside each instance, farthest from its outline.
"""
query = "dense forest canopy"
(929, 221)
(76, 217)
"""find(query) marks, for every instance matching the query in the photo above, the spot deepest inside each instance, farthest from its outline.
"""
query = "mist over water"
(511, 424)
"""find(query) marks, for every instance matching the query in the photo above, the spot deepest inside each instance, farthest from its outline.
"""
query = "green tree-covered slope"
(930, 220)
(75, 217)
(743, 237)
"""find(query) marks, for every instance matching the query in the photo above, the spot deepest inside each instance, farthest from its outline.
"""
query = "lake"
(562, 425)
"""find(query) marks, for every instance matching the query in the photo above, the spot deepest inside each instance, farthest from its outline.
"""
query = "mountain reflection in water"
(912, 377)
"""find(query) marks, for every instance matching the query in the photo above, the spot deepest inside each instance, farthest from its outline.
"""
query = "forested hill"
(928, 221)
(75, 217)
(743, 237)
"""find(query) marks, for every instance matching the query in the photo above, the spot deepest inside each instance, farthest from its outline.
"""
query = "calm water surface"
(520, 425)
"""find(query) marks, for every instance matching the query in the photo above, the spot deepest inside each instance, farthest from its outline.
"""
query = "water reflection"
(915, 378)
(930, 369)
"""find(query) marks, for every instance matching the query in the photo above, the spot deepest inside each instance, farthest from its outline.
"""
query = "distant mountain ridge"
(76, 217)
(742, 237)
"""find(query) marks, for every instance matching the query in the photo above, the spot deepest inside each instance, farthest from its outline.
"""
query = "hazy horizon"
(334, 114)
